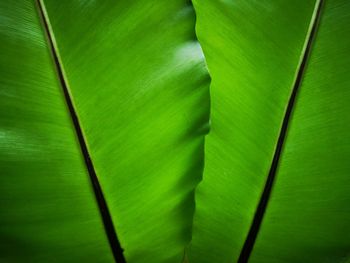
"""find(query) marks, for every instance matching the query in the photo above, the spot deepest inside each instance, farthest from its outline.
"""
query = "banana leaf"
(104, 115)
(48, 209)
(308, 216)
(257, 54)
(137, 85)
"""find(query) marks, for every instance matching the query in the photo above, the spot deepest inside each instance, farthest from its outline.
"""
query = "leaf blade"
(252, 64)
(48, 211)
(311, 193)
(138, 82)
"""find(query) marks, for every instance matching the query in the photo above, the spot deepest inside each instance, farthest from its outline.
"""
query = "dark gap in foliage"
(259, 214)
(106, 217)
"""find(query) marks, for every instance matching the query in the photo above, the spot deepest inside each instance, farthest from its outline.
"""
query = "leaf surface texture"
(139, 85)
(48, 209)
(138, 81)
(308, 216)
(253, 53)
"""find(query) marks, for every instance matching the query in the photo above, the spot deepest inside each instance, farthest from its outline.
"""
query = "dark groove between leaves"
(259, 214)
(106, 217)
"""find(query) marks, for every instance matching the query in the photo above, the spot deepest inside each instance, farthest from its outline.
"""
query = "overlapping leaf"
(136, 76)
(253, 52)
(140, 88)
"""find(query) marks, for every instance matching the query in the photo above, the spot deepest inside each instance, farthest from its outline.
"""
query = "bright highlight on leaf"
(106, 154)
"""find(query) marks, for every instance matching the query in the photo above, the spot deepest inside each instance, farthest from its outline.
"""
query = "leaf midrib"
(264, 199)
(111, 233)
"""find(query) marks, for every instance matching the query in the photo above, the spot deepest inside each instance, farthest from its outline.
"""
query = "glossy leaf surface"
(48, 209)
(139, 85)
(253, 53)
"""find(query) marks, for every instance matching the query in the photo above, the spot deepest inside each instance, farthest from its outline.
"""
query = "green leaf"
(48, 209)
(254, 53)
(109, 101)
(137, 78)
(308, 216)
